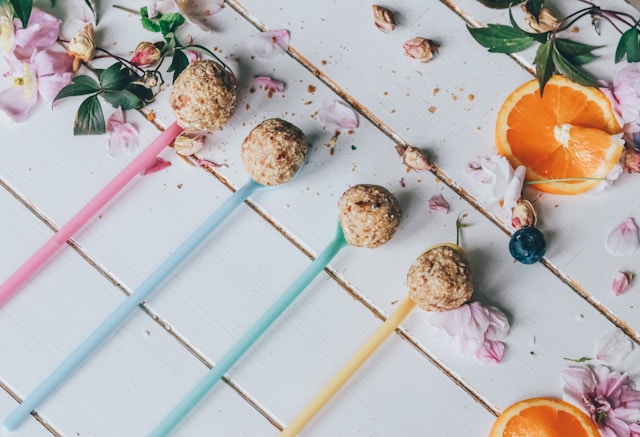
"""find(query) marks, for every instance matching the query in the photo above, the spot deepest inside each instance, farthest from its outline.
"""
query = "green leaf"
(169, 23)
(92, 8)
(573, 72)
(500, 4)
(79, 86)
(628, 45)
(22, 9)
(124, 98)
(577, 53)
(89, 118)
(178, 63)
(544, 64)
(150, 24)
(534, 7)
(144, 94)
(499, 38)
(114, 78)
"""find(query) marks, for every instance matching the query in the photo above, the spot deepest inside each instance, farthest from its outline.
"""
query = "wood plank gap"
(35, 414)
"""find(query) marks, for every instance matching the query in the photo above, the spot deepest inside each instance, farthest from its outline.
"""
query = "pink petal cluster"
(269, 44)
(122, 137)
(336, 116)
(624, 239)
(39, 72)
(269, 84)
(504, 183)
(624, 95)
(439, 204)
(194, 11)
(608, 397)
(475, 330)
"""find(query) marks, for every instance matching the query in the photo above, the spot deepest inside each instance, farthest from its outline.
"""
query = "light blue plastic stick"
(111, 323)
(250, 337)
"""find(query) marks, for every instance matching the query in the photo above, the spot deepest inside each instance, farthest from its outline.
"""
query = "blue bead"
(527, 245)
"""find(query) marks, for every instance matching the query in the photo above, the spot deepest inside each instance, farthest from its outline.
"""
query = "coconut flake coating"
(274, 151)
(204, 96)
(369, 215)
(440, 279)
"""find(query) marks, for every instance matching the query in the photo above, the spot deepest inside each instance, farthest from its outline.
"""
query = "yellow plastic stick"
(350, 367)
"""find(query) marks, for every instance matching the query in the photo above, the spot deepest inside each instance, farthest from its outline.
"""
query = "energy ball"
(369, 215)
(274, 151)
(440, 279)
(204, 96)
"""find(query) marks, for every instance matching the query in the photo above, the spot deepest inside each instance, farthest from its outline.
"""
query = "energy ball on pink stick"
(204, 96)
(440, 278)
(369, 215)
(274, 151)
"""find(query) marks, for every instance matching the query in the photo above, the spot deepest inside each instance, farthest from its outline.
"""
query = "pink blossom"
(613, 347)
(269, 84)
(269, 44)
(439, 204)
(155, 166)
(122, 137)
(624, 239)
(624, 95)
(503, 182)
(476, 330)
(621, 282)
(207, 163)
(194, 11)
(336, 115)
(608, 397)
(40, 77)
(41, 32)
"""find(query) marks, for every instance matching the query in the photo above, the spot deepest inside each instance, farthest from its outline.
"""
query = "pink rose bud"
(420, 49)
(523, 215)
(383, 18)
(145, 54)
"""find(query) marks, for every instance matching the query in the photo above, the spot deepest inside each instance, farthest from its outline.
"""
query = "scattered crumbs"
(100, 216)
(470, 97)
(323, 62)
(393, 71)
(556, 205)
(393, 111)
(580, 317)
(432, 109)
(407, 94)
(353, 147)
(401, 182)
(460, 89)
(179, 186)
(479, 127)
(385, 93)
(436, 90)
(311, 89)
(246, 107)
(146, 333)
(307, 103)
(350, 132)
(454, 97)
(151, 115)
(574, 29)
(394, 302)
(252, 90)
(532, 353)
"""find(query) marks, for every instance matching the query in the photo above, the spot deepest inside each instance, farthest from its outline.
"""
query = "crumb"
(311, 89)
(470, 97)
(432, 109)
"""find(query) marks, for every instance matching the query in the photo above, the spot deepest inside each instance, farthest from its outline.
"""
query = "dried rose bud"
(82, 46)
(384, 19)
(523, 215)
(420, 49)
(545, 21)
(145, 54)
(414, 158)
(149, 79)
(189, 143)
(631, 160)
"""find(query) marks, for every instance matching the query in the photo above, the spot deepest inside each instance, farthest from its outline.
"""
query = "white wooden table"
(416, 384)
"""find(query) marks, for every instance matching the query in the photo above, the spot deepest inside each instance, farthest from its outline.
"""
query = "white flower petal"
(624, 239)
(336, 115)
(267, 45)
(439, 204)
(621, 282)
(613, 347)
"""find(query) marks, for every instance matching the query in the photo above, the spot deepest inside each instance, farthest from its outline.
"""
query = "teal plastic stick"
(250, 337)
(111, 323)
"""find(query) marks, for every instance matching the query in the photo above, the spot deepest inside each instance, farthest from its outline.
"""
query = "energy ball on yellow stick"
(204, 96)
(438, 280)
(369, 215)
(274, 151)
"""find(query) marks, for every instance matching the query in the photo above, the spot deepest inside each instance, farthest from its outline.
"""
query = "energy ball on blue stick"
(274, 151)
(369, 215)
(204, 96)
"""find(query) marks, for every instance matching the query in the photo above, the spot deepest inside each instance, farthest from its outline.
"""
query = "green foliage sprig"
(556, 54)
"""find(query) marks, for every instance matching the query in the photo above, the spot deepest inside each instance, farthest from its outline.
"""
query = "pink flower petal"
(16, 104)
(155, 166)
(42, 30)
(205, 163)
(491, 352)
(613, 347)
(335, 115)
(197, 11)
(438, 203)
(270, 84)
(621, 282)
(269, 44)
(122, 137)
(624, 239)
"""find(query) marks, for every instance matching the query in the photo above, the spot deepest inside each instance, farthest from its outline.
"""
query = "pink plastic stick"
(89, 210)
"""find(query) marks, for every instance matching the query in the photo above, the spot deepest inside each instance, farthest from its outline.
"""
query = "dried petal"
(335, 115)
(205, 163)
(189, 143)
(613, 347)
(624, 238)
(145, 54)
(544, 22)
(621, 282)
(269, 44)
(439, 204)
(420, 49)
(82, 46)
(155, 166)
(270, 85)
(414, 158)
(523, 214)
(383, 18)
(631, 160)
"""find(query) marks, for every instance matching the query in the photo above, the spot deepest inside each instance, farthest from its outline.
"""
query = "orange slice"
(569, 133)
(543, 417)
